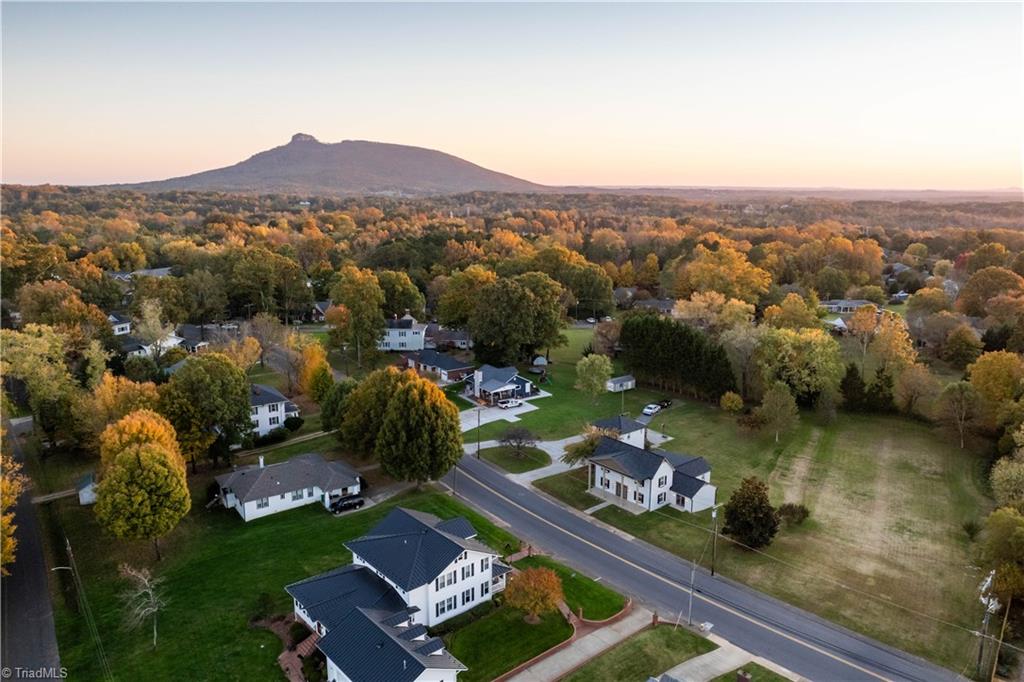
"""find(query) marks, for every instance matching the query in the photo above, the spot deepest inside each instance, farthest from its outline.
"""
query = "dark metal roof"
(330, 597)
(499, 569)
(129, 343)
(412, 548)
(261, 394)
(368, 650)
(304, 471)
(686, 485)
(641, 464)
(432, 358)
(458, 526)
(620, 423)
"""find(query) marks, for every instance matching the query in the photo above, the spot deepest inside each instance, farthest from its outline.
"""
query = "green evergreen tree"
(853, 389)
(420, 438)
(749, 515)
(879, 394)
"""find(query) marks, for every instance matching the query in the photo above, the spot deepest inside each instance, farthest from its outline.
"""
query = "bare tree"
(517, 439)
(143, 598)
(268, 330)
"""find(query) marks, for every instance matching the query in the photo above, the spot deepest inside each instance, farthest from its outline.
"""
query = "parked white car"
(652, 409)
(510, 402)
(591, 320)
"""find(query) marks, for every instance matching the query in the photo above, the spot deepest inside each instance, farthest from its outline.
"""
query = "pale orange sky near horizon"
(858, 96)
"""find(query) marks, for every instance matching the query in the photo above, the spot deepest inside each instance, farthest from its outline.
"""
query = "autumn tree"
(138, 428)
(150, 328)
(861, 326)
(360, 292)
(793, 313)
(606, 337)
(332, 407)
(457, 303)
(962, 346)
(244, 352)
(713, 312)
(207, 298)
(914, 385)
(957, 405)
(366, 406)
(583, 449)
(1007, 480)
(891, 345)
(997, 377)
(778, 410)
(741, 344)
(337, 319)
(592, 374)
(268, 332)
(314, 365)
(36, 356)
(12, 485)
(420, 437)
(207, 398)
(809, 361)
(724, 270)
(143, 494)
(534, 591)
(985, 284)
(749, 515)
(1003, 551)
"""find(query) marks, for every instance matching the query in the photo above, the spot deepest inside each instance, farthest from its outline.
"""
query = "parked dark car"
(665, 403)
(346, 503)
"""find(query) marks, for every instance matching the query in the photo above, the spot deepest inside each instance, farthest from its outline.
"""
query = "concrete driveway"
(493, 413)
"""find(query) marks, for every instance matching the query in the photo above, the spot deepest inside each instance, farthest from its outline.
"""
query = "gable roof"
(620, 423)
(261, 394)
(432, 358)
(303, 471)
(329, 597)
(118, 318)
(662, 305)
(641, 465)
(412, 548)
(370, 645)
(322, 306)
(493, 378)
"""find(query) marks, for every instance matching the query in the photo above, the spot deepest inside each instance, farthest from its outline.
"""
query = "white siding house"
(268, 409)
(257, 491)
(121, 324)
(401, 334)
(626, 430)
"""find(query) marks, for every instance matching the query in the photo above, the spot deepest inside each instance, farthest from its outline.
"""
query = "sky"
(908, 96)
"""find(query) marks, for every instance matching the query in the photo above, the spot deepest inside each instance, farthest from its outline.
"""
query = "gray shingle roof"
(412, 548)
(432, 358)
(641, 464)
(620, 423)
(330, 597)
(304, 471)
(367, 649)
(261, 394)
(118, 318)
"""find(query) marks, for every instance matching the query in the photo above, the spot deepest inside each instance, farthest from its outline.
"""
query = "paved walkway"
(596, 507)
(585, 648)
(50, 497)
(722, 660)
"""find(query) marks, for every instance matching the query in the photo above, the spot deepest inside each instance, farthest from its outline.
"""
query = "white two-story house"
(268, 409)
(642, 480)
(261, 490)
(626, 430)
(403, 333)
(410, 572)
(121, 324)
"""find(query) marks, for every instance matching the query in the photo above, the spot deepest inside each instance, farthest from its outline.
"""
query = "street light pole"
(478, 411)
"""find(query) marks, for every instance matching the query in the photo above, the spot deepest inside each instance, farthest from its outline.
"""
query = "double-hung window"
(485, 588)
(297, 495)
(263, 503)
(662, 481)
(662, 497)
(275, 407)
(275, 420)
(468, 596)
(484, 563)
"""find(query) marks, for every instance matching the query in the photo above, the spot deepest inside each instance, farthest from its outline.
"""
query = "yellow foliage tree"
(12, 484)
(891, 343)
(138, 428)
(535, 591)
(725, 270)
(245, 352)
(314, 361)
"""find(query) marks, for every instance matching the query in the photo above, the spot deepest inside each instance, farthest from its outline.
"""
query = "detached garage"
(620, 384)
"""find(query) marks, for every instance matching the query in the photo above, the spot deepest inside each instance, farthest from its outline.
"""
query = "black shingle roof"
(261, 394)
(432, 358)
(620, 424)
(412, 548)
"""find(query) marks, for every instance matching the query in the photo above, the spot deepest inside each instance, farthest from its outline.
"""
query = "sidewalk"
(585, 648)
(722, 660)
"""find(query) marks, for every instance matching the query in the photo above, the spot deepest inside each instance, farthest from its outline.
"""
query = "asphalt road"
(798, 640)
(29, 638)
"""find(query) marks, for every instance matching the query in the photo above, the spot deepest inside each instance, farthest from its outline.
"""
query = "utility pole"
(478, 411)
(693, 576)
(714, 538)
(991, 606)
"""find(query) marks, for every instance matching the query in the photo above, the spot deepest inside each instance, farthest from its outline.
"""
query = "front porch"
(610, 496)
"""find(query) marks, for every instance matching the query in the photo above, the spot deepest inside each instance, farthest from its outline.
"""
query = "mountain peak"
(303, 137)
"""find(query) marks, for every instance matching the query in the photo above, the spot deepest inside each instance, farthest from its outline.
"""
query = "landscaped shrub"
(464, 619)
(794, 514)
(972, 528)
(731, 402)
(278, 435)
(313, 667)
(296, 633)
(293, 424)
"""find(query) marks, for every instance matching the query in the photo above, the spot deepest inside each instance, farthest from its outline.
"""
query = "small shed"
(86, 487)
(620, 384)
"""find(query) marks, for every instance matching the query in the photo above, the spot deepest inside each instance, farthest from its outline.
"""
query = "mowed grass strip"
(646, 654)
(215, 568)
(758, 673)
(569, 487)
(507, 459)
(501, 640)
(597, 601)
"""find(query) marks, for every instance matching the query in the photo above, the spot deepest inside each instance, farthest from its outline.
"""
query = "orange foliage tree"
(535, 591)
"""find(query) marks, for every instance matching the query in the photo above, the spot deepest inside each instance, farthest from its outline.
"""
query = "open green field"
(501, 640)
(757, 672)
(215, 567)
(644, 655)
(597, 601)
(887, 495)
(501, 456)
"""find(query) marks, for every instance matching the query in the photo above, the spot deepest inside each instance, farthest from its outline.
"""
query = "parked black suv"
(665, 403)
(346, 503)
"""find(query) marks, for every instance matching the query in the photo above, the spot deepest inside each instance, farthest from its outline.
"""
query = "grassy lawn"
(215, 567)
(532, 458)
(453, 391)
(569, 487)
(645, 654)
(501, 640)
(597, 601)
(887, 499)
(757, 672)
(268, 377)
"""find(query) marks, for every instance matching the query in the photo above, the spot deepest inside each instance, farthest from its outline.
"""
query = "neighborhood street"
(798, 640)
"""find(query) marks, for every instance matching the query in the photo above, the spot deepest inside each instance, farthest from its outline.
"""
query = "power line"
(90, 621)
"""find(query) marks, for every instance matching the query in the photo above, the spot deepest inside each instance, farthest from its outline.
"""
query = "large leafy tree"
(778, 409)
(861, 326)
(502, 323)
(997, 378)
(1003, 550)
(207, 297)
(137, 428)
(359, 291)
(592, 374)
(724, 270)
(986, 284)
(534, 591)
(207, 398)
(36, 356)
(12, 485)
(400, 294)
(110, 400)
(458, 302)
(332, 407)
(143, 494)
(793, 313)
(268, 332)
(809, 361)
(891, 345)
(420, 438)
(365, 407)
(749, 515)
